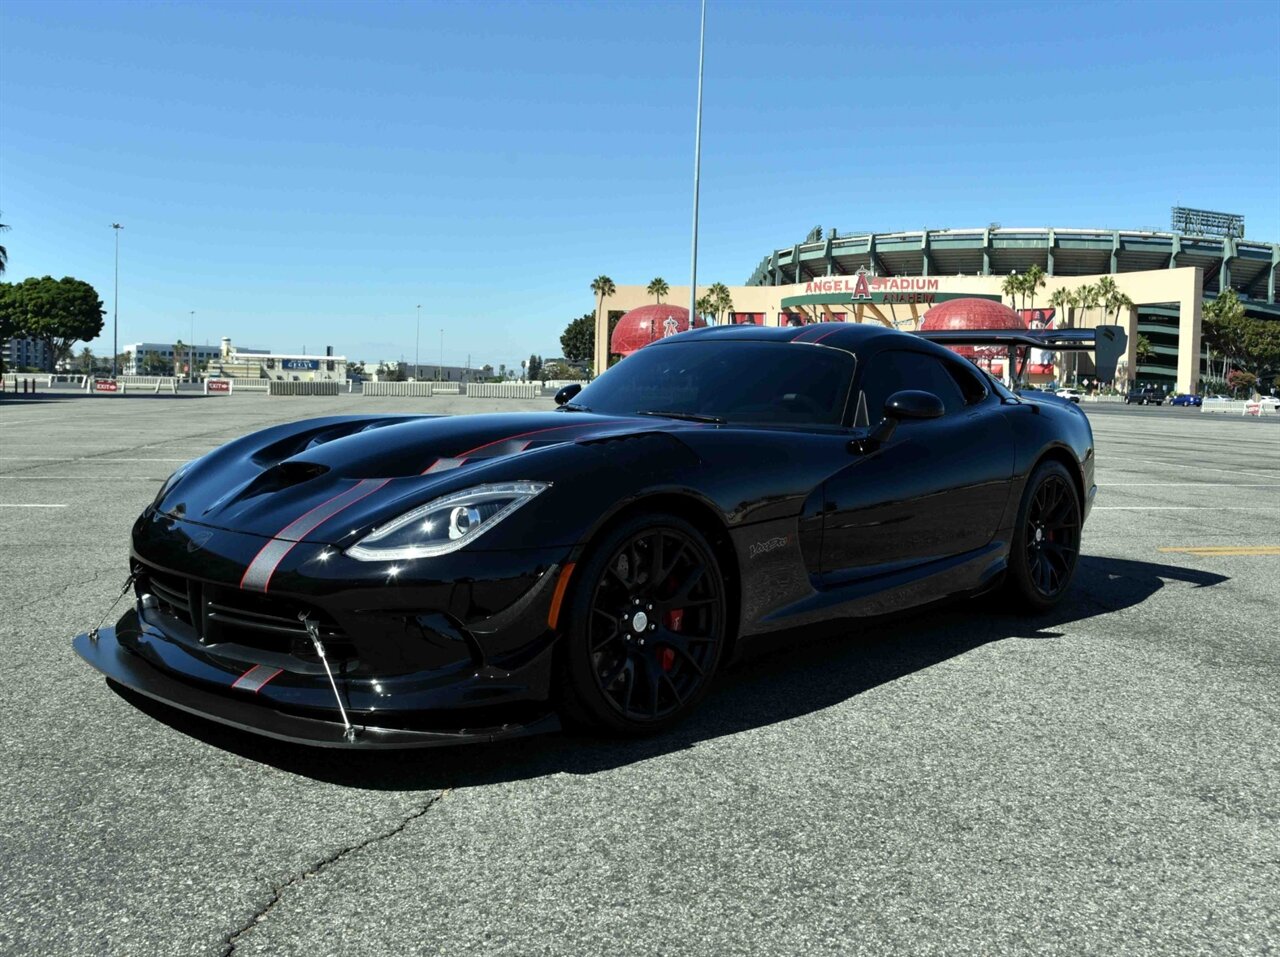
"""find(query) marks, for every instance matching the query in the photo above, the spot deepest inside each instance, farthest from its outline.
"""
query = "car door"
(936, 489)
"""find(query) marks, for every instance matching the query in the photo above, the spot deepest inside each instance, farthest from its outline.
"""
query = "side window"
(971, 385)
(898, 369)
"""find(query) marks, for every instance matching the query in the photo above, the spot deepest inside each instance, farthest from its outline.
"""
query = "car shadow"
(779, 677)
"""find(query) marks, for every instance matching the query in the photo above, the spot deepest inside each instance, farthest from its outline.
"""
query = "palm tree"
(1033, 280)
(1059, 298)
(1011, 286)
(4, 253)
(658, 288)
(721, 301)
(705, 307)
(603, 287)
(178, 348)
(1143, 349)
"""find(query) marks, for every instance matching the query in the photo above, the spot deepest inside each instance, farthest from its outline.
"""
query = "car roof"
(851, 336)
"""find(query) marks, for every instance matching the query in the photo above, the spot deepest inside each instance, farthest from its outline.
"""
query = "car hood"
(321, 480)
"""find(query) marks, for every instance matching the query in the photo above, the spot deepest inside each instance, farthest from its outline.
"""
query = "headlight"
(171, 481)
(446, 524)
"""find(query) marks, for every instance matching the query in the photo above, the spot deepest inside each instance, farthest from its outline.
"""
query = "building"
(163, 352)
(893, 278)
(27, 354)
(237, 363)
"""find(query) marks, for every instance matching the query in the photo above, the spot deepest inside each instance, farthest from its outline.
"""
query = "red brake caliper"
(673, 620)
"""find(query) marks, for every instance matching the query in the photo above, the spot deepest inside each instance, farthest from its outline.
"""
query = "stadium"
(894, 278)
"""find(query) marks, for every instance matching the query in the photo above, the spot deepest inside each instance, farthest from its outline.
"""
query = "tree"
(579, 339)
(86, 360)
(1011, 286)
(1240, 381)
(658, 288)
(154, 364)
(1143, 350)
(4, 258)
(705, 307)
(1224, 329)
(178, 350)
(603, 287)
(10, 317)
(721, 301)
(59, 312)
(1033, 280)
(534, 369)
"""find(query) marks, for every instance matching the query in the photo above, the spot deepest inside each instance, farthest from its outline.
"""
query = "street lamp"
(191, 365)
(417, 338)
(440, 367)
(697, 168)
(115, 309)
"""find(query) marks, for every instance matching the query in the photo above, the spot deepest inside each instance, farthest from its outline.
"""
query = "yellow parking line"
(1224, 549)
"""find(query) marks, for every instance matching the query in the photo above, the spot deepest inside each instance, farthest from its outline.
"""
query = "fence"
(420, 389)
(155, 383)
(398, 388)
(1268, 405)
(16, 380)
(504, 390)
(321, 387)
(253, 385)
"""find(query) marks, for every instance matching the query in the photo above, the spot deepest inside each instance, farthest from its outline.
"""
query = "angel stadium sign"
(866, 287)
(873, 289)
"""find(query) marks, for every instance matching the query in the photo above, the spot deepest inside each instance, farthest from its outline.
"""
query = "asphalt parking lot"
(1102, 780)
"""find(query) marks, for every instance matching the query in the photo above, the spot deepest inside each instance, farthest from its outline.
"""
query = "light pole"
(440, 367)
(417, 338)
(115, 309)
(191, 362)
(697, 168)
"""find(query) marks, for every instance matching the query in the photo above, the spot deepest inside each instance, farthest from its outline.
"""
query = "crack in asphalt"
(232, 940)
(16, 611)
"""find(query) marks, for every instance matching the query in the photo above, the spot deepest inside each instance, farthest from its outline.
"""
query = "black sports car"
(391, 581)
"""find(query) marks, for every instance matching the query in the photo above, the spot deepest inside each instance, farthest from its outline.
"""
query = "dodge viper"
(408, 580)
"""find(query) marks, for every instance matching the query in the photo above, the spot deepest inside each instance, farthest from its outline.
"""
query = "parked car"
(1145, 397)
(378, 580)
(1071, 395)
(1186, 399)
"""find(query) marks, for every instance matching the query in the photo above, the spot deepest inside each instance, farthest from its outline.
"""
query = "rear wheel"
(646, 629)
(1046, 543)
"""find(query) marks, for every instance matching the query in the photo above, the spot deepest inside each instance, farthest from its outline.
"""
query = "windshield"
(774, 383)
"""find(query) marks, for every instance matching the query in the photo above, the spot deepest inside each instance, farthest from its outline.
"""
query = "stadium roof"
(1247, 266)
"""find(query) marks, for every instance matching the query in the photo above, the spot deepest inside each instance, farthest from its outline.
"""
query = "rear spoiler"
(1107, 342)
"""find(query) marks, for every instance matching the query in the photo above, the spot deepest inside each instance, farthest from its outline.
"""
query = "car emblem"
(769, 545)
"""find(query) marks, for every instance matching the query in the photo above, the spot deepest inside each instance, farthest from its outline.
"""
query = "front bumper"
(127, 667)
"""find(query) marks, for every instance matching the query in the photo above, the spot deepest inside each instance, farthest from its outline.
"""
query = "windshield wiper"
(686, 416)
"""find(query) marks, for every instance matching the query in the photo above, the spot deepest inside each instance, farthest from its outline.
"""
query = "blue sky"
(306, 174)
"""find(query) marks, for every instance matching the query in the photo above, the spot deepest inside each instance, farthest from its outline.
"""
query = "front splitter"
(105, 653)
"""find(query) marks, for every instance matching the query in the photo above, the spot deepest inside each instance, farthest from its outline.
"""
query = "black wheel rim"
(656, 625)
(1052, 536)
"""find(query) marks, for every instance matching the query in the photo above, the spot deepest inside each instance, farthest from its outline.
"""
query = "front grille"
(218, 614)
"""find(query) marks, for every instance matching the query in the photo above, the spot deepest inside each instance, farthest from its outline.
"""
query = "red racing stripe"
(257, 577)
(461, 456)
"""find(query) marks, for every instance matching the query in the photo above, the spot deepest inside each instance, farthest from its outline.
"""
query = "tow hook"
(93, 632)
(313, 630)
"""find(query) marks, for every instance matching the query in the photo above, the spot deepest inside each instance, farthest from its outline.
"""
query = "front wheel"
(1046, 542)
(647, 627)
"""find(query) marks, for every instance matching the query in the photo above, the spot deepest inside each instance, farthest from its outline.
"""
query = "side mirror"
(907, 404)
(914, 404)
(568, 392)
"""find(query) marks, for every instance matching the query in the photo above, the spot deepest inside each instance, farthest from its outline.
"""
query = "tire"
(1046, 539)
(1127, 400)
(646, 628)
